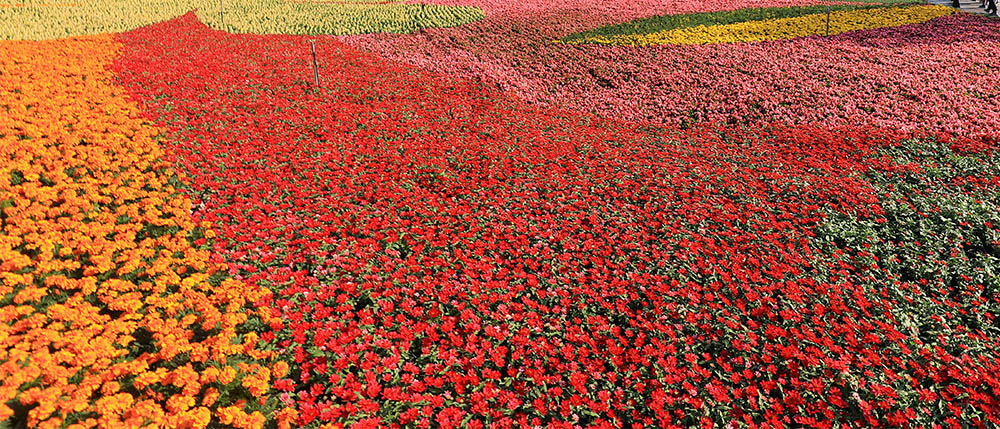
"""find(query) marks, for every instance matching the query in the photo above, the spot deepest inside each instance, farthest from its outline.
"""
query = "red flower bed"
(443, 255)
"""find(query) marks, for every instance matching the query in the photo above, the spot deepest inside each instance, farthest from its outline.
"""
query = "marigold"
(105, 308)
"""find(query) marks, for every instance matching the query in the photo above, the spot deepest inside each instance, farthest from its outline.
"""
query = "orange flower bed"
(110, 315)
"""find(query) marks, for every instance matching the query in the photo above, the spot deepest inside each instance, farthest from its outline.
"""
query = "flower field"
(889, 77)
(111, 317)
(515, 221)
(34, 19)
(814, 24)
(676, 21)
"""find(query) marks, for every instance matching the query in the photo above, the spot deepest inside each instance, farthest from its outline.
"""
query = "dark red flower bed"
(443, 255)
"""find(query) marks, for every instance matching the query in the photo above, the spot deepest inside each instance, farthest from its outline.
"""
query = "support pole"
(828, 19)
(315, 65)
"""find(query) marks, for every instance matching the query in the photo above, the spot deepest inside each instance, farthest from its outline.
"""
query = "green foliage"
(932, 257)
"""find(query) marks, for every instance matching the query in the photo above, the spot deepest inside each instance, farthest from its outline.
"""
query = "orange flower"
(280, 369)
(286, 417)
(88, 194)
(210, 396)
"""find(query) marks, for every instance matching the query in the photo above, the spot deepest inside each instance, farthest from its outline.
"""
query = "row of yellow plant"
(4, 5)
(109, 315)
(39, 20)
(782, 28)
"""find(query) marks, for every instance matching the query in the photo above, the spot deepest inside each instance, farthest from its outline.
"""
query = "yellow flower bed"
(41, 19)
(783, 28)
(12, 5)
(109, 315)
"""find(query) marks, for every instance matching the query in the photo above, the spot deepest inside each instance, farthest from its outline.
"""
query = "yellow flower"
(35, 20)
(280, 369)
(202, 417)
(781, 28)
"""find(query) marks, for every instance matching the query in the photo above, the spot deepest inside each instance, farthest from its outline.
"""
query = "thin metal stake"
(315, 66)
(222, 19)
(827, 19)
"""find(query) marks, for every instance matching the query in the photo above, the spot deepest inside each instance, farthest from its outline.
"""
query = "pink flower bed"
(940, 75)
